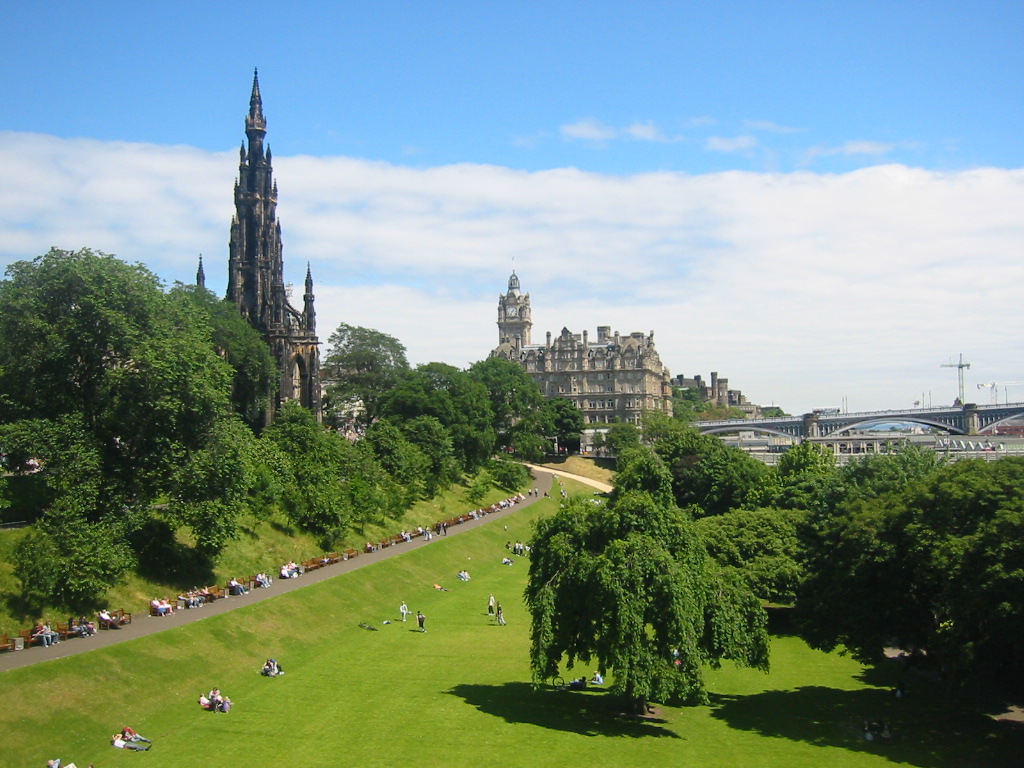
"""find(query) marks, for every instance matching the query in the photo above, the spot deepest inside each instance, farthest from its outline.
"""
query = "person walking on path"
(421, 620)
(500, 615)
(404, 610)
(490, 606)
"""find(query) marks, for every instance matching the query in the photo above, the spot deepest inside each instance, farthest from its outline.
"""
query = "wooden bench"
(29, 638)
(333, 557)
(216, 593)
(348, 554)
(7, 644)
(118, 618)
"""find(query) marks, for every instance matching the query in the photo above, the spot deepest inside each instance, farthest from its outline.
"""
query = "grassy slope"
(458, 695)
(262, 545)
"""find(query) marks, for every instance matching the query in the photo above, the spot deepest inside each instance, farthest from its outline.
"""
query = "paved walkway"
(144, 624)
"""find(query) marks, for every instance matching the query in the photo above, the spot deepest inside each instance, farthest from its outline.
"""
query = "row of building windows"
(608, 419)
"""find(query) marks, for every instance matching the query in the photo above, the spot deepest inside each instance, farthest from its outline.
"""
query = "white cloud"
(589, 129)
(596, 132)
(648, 131)
(733, 144)
(801, 288)
(859, 147)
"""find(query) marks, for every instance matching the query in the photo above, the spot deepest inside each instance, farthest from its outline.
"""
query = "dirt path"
(599, 485)
(144, 624)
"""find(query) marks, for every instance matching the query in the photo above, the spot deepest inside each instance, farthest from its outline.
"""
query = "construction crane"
(995, 385)
(960, 366)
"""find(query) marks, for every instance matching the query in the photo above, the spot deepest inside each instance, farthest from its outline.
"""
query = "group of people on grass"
(215, 701)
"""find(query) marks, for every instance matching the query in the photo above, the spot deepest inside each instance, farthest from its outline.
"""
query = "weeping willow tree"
(630, 586)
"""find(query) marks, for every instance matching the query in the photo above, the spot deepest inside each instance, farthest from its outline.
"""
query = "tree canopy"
(255, 378)
(361, 367)
(630, 586)
(112, 386)
(460, 403)
(514, 395)
(935, 567)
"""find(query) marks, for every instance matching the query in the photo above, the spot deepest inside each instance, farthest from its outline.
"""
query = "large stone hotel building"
(610, 378)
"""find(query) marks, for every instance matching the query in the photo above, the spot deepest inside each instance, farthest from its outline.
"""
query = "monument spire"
(256, 282)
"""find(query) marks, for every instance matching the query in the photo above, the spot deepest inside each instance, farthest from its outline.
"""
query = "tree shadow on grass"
(927, 734)
(589, 713)
(166, 561)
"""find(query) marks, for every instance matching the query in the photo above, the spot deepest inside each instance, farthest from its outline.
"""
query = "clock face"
(511, 310)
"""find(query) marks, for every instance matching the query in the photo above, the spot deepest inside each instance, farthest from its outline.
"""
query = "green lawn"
(458, 695)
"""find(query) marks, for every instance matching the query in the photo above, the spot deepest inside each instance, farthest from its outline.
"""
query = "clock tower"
(514, 321)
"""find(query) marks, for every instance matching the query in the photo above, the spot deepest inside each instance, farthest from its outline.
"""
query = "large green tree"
(458, 401)
(937, 567)
(255, 374)
(315, 496)
(430, 437)
(513, 393)
(630, 586)
(805, 476)
(113, 386)
(400, 458)
(101, 342)
(761, 546)
(565, 420)
(708, 476)
(361, 367)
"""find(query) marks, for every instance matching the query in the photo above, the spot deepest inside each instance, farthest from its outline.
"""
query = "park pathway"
(144, 624)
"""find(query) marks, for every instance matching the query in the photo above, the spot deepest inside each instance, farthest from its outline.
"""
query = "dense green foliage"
(110, 385)
(255, 380)
(360, 368)
(937, 567)
(708, 477)
(513, 394)
(460, 403)
(761, 547)
(630, 586)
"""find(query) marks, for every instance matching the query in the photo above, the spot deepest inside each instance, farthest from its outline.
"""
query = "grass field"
(457, 695)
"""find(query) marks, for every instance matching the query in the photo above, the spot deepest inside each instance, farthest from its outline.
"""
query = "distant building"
(717, 393)
(610, 378)
(256, 270)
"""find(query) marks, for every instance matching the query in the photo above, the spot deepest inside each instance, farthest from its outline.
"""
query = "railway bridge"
(968, 419)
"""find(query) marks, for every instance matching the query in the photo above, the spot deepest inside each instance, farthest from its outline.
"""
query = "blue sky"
(820, 200)
(930, 84)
